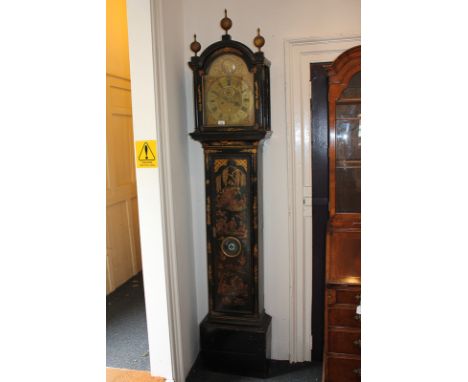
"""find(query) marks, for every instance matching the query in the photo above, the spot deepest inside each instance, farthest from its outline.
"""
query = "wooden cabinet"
(342, 348)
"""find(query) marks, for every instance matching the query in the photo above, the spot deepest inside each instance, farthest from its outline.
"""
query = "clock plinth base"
(239, 349)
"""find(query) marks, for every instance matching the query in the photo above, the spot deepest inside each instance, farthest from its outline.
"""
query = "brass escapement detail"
(231, 246)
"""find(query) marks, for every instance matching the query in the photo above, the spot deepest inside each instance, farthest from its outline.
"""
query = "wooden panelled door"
(123, 236)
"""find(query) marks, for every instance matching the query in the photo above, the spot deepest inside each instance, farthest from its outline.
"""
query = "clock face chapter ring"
(229, 99)
(228, 95)
(231, 246)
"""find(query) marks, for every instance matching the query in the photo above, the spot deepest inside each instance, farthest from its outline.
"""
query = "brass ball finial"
(259, 41)
(226, 22)
(195, 45)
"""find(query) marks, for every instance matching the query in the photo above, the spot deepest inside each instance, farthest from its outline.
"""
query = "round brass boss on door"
(231, 246)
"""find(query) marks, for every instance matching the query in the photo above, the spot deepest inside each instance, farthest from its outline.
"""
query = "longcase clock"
(232, 118)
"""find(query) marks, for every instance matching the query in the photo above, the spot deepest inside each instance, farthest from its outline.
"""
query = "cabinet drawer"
(343, 370)
(344, 341)
(341, 316)
(348, 296)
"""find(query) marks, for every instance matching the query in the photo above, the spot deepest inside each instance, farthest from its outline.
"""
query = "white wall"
(279, 20)
(178, 155)
(158, 89)
(149, 189)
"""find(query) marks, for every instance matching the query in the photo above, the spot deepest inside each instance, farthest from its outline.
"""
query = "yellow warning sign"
(146, 154)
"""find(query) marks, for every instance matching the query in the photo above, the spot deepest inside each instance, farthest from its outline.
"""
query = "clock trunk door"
(233, 245)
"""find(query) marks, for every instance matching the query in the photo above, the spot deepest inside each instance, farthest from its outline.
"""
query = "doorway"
(319, 122)
(299, 54)
(127, 335)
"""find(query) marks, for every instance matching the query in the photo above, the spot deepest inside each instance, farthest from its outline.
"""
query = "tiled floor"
(127, 336)
(280, 371)
(127, 346)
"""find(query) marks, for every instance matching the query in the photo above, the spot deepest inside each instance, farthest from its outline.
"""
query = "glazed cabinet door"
(348, 148)
(342, 353)
(344, 104)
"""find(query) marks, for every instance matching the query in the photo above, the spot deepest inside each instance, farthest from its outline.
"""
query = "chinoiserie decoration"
(231, 95)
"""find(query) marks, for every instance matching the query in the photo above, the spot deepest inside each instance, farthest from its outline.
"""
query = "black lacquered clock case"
(231, 87)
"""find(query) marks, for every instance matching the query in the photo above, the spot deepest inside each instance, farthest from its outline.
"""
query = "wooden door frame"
(299, 54)
(156, 206)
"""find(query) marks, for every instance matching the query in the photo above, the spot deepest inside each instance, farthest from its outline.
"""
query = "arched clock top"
(231, 103)
(225, 46)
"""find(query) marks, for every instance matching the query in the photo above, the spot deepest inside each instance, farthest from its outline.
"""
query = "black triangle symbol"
(146, 153)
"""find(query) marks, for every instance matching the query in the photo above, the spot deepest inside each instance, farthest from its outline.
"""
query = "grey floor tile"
(127, 335)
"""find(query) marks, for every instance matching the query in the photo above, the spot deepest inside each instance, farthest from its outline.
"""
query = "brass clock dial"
(228, 90)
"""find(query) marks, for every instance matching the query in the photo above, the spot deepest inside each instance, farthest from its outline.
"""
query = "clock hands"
(227, 98)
